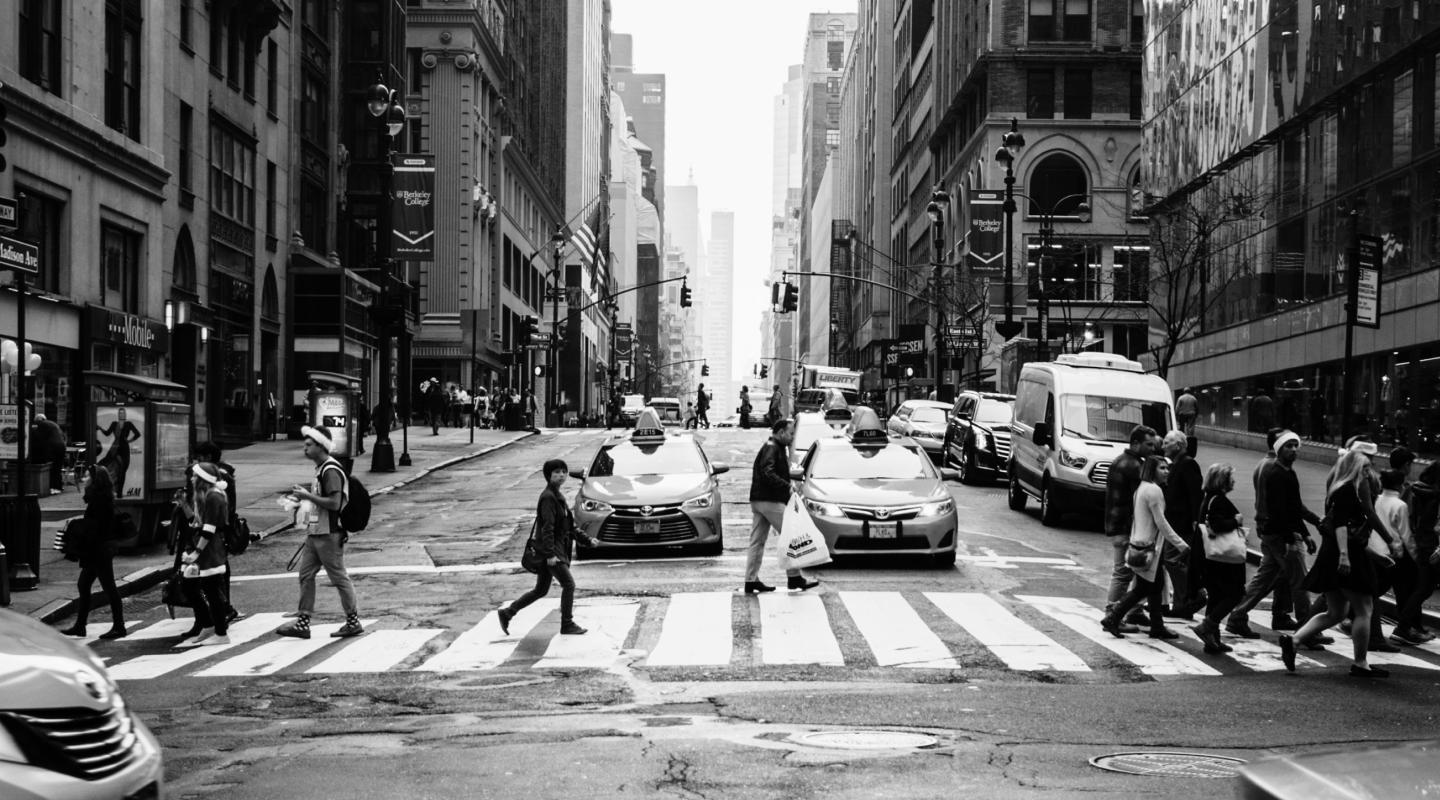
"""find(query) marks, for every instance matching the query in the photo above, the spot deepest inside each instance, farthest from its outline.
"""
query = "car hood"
(875, 492)
(39, 669)
(1399, 770)
(646, 489)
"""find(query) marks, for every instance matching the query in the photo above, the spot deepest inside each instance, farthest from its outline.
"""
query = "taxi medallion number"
(652, 528)
(884, 530)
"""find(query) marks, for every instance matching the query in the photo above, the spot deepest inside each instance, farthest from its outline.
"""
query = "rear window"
(891, 462)
(928, 414)
(627, 459)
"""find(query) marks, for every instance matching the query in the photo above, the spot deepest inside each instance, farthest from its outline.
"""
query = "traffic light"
(559, 337)
(775, 293)
(685, 294)
(3, 112)
(704, 370)
(542, 370)
(791, 301)
(529, 326)
(764, 371)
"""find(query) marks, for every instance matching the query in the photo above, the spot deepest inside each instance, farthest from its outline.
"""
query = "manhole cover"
(606, 601)
(867, 740)
(1171, 765)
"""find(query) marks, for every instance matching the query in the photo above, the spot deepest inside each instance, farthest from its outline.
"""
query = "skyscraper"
(718, 295)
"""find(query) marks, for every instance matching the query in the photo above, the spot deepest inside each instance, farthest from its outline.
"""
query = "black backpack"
(237, 535)
(355, 511)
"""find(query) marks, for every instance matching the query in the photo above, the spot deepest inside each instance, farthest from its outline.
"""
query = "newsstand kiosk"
(140, 432)
(334, 400)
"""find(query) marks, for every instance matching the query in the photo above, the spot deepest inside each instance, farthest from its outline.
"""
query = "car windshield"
(928, 414)
(890, 462)
(675, 456)
(634, 401)
(994, 412)
(807, 433)
(1110, 419)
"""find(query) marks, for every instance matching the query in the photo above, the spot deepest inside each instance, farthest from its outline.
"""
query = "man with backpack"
(325, 536)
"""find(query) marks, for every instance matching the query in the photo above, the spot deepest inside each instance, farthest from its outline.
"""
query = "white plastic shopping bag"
(801, 543)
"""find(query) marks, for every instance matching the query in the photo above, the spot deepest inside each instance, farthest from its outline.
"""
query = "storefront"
(52, 328)
(122, 343)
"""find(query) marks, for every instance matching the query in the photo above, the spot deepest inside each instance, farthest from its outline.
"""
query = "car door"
(1029, 409)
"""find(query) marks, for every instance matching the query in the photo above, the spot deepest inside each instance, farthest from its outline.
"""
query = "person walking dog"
(555, 534)
(98, 544)
(324, 545)
(769, 493)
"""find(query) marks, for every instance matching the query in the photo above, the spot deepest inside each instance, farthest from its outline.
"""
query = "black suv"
(977, 439)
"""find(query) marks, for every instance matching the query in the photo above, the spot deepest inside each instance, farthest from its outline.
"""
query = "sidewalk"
(264, 471)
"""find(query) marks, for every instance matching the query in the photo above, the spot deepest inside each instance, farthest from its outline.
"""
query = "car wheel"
(1016, 495)
(714, 548)
(943, 560)
(1049, 514)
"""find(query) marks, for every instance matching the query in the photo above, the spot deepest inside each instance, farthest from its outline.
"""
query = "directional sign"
(19, 256)
(9, 215)
(540, 338)
(966, 331)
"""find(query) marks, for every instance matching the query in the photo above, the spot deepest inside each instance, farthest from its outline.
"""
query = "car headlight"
(595, 506)
(823, 509)
(1072, 461)
(9, 750)
(982, 442)
(697, 503)
(939, 509)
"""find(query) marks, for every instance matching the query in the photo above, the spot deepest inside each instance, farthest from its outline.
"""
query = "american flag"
(587, 238)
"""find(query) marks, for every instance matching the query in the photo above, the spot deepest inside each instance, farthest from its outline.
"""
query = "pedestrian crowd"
(1175, 532)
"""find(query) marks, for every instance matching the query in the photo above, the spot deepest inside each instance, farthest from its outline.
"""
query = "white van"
(1073, 416)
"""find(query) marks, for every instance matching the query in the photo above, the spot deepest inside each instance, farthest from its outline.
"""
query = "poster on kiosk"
(334, 411)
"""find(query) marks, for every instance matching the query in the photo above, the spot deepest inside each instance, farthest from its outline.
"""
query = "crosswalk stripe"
(794, 629)
(1256, 654)
(1151, 656)
(377, 651)
(696, 631)
(1016, 643)
(896, 634)
(153, 666)
(163, 629)
(1258, 619)
(600, 646)
(271, 657)
(482, 647)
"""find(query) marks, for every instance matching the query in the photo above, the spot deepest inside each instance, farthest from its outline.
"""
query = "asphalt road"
(998, 659)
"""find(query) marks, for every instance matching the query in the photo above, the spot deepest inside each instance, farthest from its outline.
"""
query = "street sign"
(1365, 298)
(538, 346)
(9, 214)
(966, 331)
(540, 338)
(961, 342)
(19, 256)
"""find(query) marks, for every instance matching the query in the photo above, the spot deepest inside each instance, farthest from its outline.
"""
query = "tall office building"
(778, 339)
(644, 97)
(718, 297)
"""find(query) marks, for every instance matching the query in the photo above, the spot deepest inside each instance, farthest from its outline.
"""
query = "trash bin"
(20, 535)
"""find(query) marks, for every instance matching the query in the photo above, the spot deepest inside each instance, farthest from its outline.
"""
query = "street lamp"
(1008, 152)
(1047, 230)
(557, 240)
(383, 103)
(939, 204)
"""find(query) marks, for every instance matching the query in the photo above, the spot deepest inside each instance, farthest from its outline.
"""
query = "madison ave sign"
(19, 255)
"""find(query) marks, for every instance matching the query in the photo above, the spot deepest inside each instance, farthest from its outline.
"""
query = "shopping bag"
(801, 543)
(1226, 548)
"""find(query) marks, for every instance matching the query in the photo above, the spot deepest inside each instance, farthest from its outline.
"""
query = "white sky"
(724, 64)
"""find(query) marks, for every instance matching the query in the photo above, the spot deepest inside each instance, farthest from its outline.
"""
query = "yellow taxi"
(650, 488)
(871, 493)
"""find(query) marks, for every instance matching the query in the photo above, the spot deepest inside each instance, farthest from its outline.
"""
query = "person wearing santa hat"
(205, 561)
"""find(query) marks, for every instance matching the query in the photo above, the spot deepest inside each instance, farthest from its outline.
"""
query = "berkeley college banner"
(412, 208)
(987, 230)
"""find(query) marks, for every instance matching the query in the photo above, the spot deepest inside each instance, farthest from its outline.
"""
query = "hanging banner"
(987, 231)
(624, 343)
(910, 345)
(412, 208)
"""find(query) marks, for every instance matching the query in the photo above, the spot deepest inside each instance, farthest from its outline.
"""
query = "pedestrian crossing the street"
(867, 630)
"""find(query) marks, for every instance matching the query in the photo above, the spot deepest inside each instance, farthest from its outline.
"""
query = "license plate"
(647, 527)
(884, 530)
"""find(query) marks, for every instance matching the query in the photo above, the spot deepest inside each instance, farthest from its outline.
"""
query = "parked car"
(810, 427)
(759, 406)
(923, 421)
(977, 437)
(65, 731)
(630, 408)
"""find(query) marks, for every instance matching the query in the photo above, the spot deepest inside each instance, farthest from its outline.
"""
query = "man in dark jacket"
(769, 493)
(702, 408)
(49, 447)
(1120, 486)
(1183, 494)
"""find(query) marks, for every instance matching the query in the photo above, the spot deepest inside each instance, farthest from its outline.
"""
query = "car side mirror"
(797, 474)
(950, 474)
(719, 469)
(1042, 434)
(577, 473)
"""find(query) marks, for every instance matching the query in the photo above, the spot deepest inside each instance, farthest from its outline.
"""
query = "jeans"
(1149, 591)
(104, 569)
(1426, 576)
(327, 551)
(1121, 575)
(1282, 569)
(764, 515)
(559, 571)
(208, 596)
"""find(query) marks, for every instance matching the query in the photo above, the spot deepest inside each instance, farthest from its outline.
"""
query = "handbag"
(125, 526)
(1139, 555)
(1225, 548)
(531, 560)
(70, 539)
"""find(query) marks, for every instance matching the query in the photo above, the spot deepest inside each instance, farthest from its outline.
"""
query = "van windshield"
(1110, 419)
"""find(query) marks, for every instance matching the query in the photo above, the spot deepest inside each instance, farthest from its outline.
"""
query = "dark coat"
(1120, 486)
(554, 526)
(1183, 494)
(49, 444)
(99, 535)
(770, 480)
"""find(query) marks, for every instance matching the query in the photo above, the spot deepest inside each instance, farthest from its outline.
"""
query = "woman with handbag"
(1148, 526)
(98, 544)
(1342, 571)
(1224, 579)
(205, 559)
(553, 535)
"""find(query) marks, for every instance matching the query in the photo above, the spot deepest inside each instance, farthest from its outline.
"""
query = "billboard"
(412, 207)
(121, 445)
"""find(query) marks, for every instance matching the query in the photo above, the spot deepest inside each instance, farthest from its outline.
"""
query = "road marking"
(896, 634)
(794, 629)
(1020, 646)
(1257, 654)
(482, 647)
(1258, 618)
(1018, 559)
(271, 657)
(696, 631)
(377, 651)
(502, 566)
(163, 629)
(599, 646)
(153, 666)
(1153, 657)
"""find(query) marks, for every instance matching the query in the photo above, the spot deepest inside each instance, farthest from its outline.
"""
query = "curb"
(149, 577)
(1387, 607)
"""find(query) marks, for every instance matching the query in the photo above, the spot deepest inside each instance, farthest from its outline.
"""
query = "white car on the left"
(65, 731)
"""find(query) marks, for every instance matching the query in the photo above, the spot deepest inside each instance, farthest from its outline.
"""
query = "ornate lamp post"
(939, 204)
(384, 104)
(1008, 152)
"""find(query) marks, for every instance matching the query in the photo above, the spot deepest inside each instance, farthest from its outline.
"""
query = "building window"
(832, 113)
(1076, 27)
(313, 207)
(232, 176)
(235, 43)
(272, 187)
(272, 77)
(832, 85)
(182, 275)
(1040, 94)
(1078, 94)
(835, 55)
(1137, 21)
(187, 150)
(122, 66)
(248, 51)
(187, 26)
(1137, 95)
(1131, 275)
(413, 69)
(1057, 185)
(832, 138)
(416, 134)
(312, 13)
(217, 40)
(313, 117)
(270, 296)
(653, 87)
(39, 37)
(1403, 118)
(366, 22)
(1042, 20)
(39, 220)
(120, 268)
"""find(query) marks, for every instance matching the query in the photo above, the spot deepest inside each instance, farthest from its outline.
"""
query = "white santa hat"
(319, 435)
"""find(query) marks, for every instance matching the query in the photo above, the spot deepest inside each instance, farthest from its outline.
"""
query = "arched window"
(183, 277)
(270, 297)
(1058, 185)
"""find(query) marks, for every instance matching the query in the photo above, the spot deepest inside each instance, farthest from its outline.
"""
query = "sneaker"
(188, 638)
(571, 629)
(204, 636)
(1241, 629)
(1357, 671)
(505, 617)
(294, 630)
(223, 638)
(1285, 623)
(352, 628)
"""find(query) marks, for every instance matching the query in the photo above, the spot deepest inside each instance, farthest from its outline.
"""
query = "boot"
(505, 616)
(1112, 626)
(1162, 632)
(1208, 637)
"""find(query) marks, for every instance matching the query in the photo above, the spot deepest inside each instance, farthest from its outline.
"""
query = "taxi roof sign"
(865, 427)
(648, 427)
